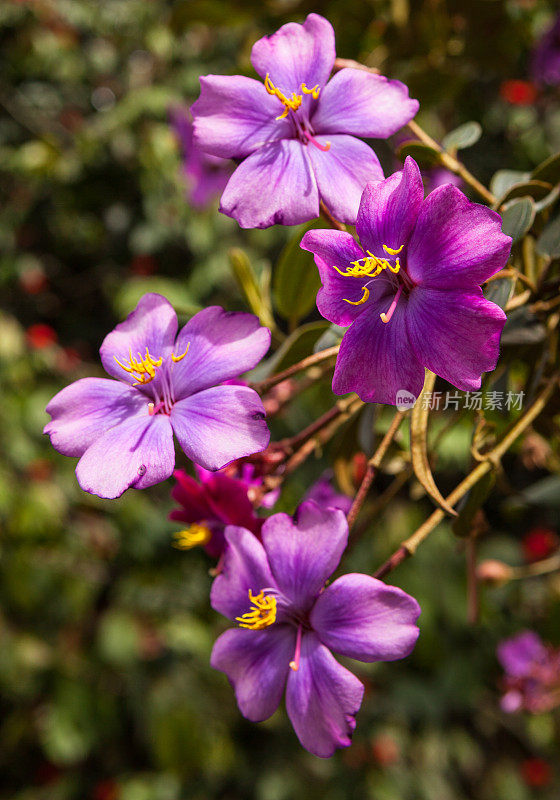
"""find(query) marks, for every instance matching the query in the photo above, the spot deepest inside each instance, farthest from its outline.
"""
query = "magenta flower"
(208, 505)
(545, 60)
(206, 176)
(295, 133)
(289, 623)
(532, 674)
(122, 430)
(325, 495)
(410, 292)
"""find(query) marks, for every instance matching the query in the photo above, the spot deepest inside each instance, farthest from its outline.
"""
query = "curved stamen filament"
(363, 299)
(181, 357)
(386, 317)
(261, 615)
(290, 103)
(294, 664)
(324, 147)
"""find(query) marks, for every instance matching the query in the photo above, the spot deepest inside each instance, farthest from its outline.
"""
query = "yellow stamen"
(179, 358)
(142, 368)
(365, 296)
(391, 251)
(290, 103)
(261, 615)
(192, 536)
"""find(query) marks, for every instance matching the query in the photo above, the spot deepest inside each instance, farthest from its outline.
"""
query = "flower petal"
(342, 173)
(304, 552)
(361, 617)
(376, 359)
(245, 568)
(363, 104)
(519, 654)
(222, 345)
(456, 334)
(389, 209)
(192, 497)
(456, 244)
(152, 325)
(83, 411)
(273, 186)
(218, 425)
(256, 663)
(322, 699)
(139, 452)
(296, 54)
(235, 115)
(336, 248)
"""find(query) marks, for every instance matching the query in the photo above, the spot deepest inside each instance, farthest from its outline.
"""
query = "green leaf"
(548, 170)
(518, 217)
(419, 445)
(548, 243)
(249, 285)
(420, 152)
(462, 137)
(471, 503)
(297, 346)
(522, 327)
(499, 291)
(504, 179)
(538, 190)
(296, 278)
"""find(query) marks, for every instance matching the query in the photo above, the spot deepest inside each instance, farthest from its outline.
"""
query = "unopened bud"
(493, 572)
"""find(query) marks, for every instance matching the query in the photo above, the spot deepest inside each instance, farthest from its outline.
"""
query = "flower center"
(371, 266)
(292, 104)
(196, 534)
(262, 613)
(143, 368)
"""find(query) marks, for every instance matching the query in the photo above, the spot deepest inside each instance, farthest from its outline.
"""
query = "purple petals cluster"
(545, 61)
(166, 383)
(532, 673)
(206, 176)
(290, 624)
(295, 133)
(410, 291)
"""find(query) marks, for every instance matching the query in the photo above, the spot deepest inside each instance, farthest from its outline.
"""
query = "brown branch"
(305, 363)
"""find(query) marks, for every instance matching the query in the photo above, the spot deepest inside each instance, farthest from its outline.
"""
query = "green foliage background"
(105, 630)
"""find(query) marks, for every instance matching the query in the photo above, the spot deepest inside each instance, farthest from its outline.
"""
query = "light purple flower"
(545, 61)
(532, 674)
(206, 176)
(410, 292)
(295, 134)
(122, 430)
(325, 495)
(289, 623)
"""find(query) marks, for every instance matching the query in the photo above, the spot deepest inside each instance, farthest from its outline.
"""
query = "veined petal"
(305, 551)
(389, 208)
(342, 173)
(219, 425)
(83, 411)
(296, 54)
(245, 568)
(152, 325)
(455, 334)
(273, 186)
(322, 699)
(337, 249)
(256, 664)
(221, 345)
(139, 452)
(363, 104)
(235, 115)
(376, 359)
(456, 244)
(193, 499)
(361, 617)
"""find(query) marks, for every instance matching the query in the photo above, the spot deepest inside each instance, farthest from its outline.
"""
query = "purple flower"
(410, 292)
(295, 133)
(206, 175)
(208, 505)
(532, 674)
(122, 430)
(545, 61)
(289, 623)
(325, 495)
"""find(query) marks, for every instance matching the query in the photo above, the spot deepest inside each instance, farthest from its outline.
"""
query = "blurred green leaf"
(518, 217)
(296, 280)
(422, 153)
(462, 137)
(548, 170)
(548, 243)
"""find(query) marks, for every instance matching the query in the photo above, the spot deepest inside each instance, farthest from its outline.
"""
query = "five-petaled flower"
(208, 505)
(294, 133)
(411, 292)
(122, 429)
(289, 624)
